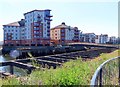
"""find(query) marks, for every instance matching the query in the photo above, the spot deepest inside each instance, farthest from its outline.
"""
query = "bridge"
(47, 50)
(94, 45)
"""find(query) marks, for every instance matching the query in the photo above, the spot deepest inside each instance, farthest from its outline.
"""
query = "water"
(17, 71)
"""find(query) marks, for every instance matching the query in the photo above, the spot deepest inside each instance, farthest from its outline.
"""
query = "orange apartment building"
(63, 33)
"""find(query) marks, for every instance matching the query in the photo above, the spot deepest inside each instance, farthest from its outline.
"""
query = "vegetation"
(75, 72)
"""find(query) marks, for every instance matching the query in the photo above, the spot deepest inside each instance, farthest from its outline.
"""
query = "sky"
(90, 16)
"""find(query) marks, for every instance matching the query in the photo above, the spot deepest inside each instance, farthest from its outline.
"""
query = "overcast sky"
(98, 16)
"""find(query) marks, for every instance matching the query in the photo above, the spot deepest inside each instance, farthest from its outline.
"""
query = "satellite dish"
(14, 53)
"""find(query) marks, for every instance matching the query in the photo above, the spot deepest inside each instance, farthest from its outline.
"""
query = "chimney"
(63, 23)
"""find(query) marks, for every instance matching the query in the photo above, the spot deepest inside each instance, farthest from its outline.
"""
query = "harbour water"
(17, 71)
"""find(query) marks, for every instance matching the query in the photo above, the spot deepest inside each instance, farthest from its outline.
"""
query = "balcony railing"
(36, 24)
(49, 16)
(108, 73)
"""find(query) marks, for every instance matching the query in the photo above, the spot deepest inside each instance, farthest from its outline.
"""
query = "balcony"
(48, 27)
(49, 16)
(36, 24)
(36, 28)
(48, 30)
(36, 32)
(48, 19)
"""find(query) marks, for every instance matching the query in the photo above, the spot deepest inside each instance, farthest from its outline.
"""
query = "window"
(48, 34)
(48, 27)
(63, 39)
(48, 30)
(48, 23)
(35, 36)
(62, 34)
(34, 31)
(62, 30)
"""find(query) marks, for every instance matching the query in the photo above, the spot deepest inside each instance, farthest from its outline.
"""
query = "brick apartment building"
(63, 33)
(33, 30)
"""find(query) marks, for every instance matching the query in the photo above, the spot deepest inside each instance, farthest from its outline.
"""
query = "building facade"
(13, 33)
(37, 25)
(36, 29)
(62, 34)
(112, 40)
(88, 37)
(102, 39)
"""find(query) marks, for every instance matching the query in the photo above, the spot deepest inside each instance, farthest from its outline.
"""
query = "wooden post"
(29, 71)
(11, 69)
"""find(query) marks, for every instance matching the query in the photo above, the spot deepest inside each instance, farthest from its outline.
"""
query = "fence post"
(11, 69)
(101, 77)
(29, 71)
(119, 70)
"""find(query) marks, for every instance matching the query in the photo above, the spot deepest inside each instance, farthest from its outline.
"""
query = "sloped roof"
(62, 25)
(13, 24)
(89, 33)
(17, 24)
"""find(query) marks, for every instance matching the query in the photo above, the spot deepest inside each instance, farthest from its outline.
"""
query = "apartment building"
(88, 37)
(112, 40)
(63, 33)
(37, 24)
(13, 32)
(102, 39)
(36, 29)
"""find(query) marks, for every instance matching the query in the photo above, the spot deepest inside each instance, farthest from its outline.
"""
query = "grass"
(75, 72)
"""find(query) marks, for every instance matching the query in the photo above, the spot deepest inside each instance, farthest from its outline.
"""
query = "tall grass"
(75, 72)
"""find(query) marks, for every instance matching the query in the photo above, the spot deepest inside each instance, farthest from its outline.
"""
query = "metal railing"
(108, 73)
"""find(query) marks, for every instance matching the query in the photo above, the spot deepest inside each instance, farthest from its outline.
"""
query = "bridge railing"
(108, 73)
